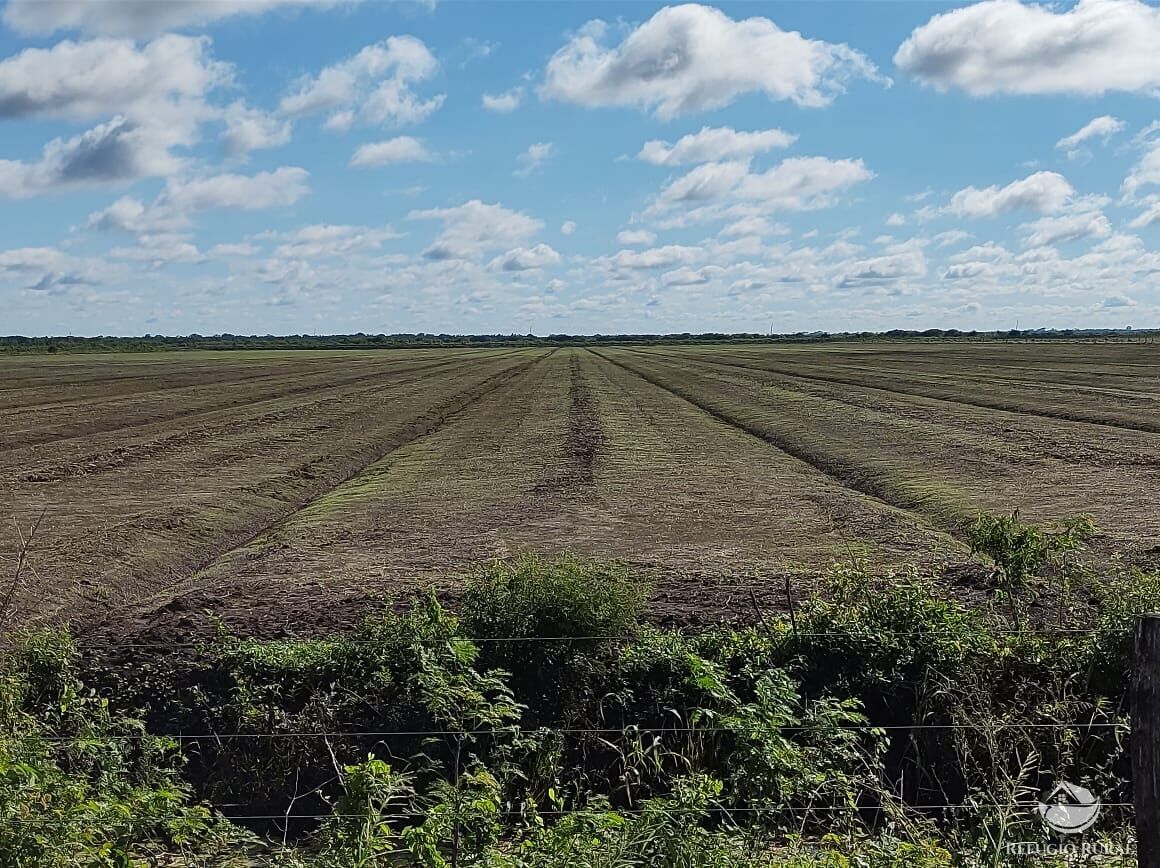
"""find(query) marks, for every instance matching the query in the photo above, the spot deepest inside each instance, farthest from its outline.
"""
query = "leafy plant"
(1021, 551)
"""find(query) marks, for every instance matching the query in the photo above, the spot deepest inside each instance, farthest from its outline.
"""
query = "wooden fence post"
(1146, 739)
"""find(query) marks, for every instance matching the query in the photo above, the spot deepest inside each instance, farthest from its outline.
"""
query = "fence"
(1144, 730)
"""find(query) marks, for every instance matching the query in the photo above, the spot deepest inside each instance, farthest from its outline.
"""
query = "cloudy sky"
(275, 166)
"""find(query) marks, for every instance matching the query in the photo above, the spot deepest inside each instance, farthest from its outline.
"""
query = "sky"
(340, 166)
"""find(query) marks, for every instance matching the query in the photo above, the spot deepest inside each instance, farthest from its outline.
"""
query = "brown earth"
(291, 494)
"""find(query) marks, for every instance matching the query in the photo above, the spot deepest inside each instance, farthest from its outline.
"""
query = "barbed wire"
(630, 729)
(671, 810)
(785, 631)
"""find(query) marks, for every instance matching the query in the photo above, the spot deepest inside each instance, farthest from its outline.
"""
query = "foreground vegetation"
(545, 724)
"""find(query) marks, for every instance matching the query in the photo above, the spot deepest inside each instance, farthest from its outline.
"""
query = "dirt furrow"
(77, 429)
(191, 575)
(1090, 417)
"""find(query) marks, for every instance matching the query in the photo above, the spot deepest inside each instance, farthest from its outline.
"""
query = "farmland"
(709, 605)
(296, 490)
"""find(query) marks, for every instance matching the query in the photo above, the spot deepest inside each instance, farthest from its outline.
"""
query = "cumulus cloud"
(534, 157)
(180, 199)
(753, 226)
(402, 149)
(159, 250)
(129, 214)
(1067, 227)
(526, 258)
(654, 257)
(693, 58)
(1004, 46)
(118, 151)
(102, 77)
(896, 219)
(884, 269)
(567, 227)
(474, 227)
(705, 182)
(1103, 127)
(373, 87)
(626, 237)
(802, 183)
(251, 129)
(153, 100)
(51, 271)
(283, 186)
(730, 190)
(1044, 192)
(1146, 172)
(503, 103)
(320, 241)
(1147, 218)
(134, 17)
(713, 144)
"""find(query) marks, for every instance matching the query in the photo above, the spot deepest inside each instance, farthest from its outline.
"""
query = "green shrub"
(552, 624)
(80, 785)
(1021, 551)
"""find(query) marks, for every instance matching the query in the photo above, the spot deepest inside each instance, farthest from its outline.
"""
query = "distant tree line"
(19, 344)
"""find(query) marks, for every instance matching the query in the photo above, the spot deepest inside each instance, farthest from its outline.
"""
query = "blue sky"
(276, 166)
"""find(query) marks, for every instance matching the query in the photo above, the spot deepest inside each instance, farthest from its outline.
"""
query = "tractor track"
(114, 623)
(846, 474)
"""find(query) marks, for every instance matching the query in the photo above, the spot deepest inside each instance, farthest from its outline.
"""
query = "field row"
(943, 459)
(281, 490)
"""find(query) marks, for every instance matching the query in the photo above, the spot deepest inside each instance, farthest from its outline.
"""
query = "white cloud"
(152, 97)
(158, 250)
(324, 240)
(1147, 217)
(250, 129)
(884, 269)
(803, 183)
(128, 214)
(1068, 227)
(896, 219)
(373, 87)
(1144, 173)
(1044, 192)
(655, 257)
(714, 144)
(753, 226)
(231, 251)
(705, 182)
(526, 258)
(135, 17)
(951, 236)
(402, 149)
(1002, 46)
(283, 186)
(1102, 127)
(102, 77)
(635, 236)
(180, 199)
(503, 103)
(534, 157)
(474, 227)
(115, 152)
(685, 276)
(567, 227)
(693, 58)
(731, 191)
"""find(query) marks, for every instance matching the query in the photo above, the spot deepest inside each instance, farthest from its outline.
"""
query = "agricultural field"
(293, 491)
